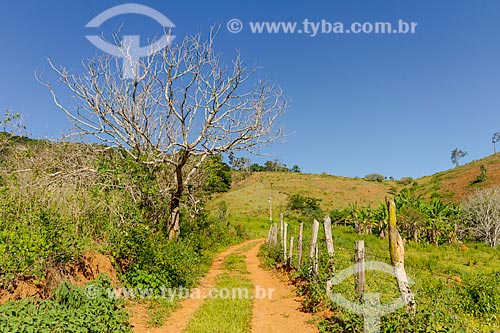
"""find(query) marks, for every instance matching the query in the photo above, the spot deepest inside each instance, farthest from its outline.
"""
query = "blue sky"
(391, 104)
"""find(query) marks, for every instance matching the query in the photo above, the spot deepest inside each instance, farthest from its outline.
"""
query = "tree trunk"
(173, 227)
(299, 250)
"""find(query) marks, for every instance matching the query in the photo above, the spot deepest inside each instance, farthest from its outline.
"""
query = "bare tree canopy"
(481, 215)
(183, 103)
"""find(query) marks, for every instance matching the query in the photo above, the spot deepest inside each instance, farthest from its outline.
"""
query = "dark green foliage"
(149, 260)
(30, 241)
(305, 207)
(481, 177)
(273, 166)
(339, 215)
(481, 298)
(70, 309)
(153, 261)
(218, 175)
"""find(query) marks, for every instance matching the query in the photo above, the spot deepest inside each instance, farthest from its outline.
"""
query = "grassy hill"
(249, 198)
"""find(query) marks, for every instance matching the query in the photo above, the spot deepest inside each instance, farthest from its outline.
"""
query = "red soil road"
(179, 319)
(279, 313)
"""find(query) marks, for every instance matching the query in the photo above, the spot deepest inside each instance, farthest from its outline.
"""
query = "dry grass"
(250, 197)
(455, 184)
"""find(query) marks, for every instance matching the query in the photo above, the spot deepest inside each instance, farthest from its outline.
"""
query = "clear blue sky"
(391, 104)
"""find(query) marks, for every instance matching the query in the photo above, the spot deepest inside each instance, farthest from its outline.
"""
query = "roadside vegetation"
(455, 268)
(61, 200)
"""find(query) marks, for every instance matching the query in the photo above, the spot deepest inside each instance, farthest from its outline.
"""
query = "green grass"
(257, 227)
(226, 315)
(235, 263)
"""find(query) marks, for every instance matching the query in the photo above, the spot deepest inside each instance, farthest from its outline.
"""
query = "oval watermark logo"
(130, 49)
(371, 309)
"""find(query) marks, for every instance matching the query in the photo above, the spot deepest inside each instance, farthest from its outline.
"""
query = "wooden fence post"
(316, 259)
(275, 234)
(285, 228)
(270, 234)
(290, 252)
(281, 229)
(327, 224)
(396, 249)
(313, 253)
(359, 260)
(299, 249)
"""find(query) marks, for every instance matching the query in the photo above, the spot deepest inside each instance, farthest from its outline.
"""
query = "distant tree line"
(245, 164)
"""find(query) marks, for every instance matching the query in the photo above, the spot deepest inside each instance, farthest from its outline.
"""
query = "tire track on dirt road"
(281, 312)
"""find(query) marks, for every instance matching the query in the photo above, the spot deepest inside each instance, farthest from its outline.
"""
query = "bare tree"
(481, 215)
(182, 106)
(494, 140)
(456, 155)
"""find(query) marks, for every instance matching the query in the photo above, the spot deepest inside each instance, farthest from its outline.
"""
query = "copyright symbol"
(234, 26)
(92, 291)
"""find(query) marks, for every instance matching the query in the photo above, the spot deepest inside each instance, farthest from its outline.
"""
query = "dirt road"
(279, 311)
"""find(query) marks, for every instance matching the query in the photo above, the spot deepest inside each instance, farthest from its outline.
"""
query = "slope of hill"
(456, 184)
(250, 197)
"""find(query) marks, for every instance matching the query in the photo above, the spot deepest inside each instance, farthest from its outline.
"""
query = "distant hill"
(455, 184)
(250, 197)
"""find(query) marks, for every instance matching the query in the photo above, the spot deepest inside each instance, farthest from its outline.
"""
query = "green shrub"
(304, 207)
(481, 177)
(70, 309)
(271, 254)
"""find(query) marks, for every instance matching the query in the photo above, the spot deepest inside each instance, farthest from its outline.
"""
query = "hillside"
(457, 183)
(250, 197)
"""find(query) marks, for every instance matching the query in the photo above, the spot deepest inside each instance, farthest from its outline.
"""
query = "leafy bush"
(339, 214)
(70, 309)
(481, 177)
(29, 242)
(304, 206)
(271, 254)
